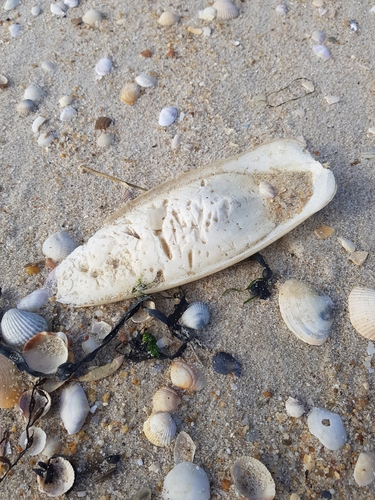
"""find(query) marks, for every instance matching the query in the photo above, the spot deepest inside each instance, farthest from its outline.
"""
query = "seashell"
(252, 480)
(142, 314)
(146, 81)
(130, 93)
(267, 190)
(165, 399)
(3, 82)
(11, 385)
(197, 316)
(225, 9)
(208, 14)
(46, 351)
(68, 114)
(332, 99)
(225, 363)
(186, 481)
(105, 140)
(14, 30)
(34, 93)
(364, 470)
(62, 479)
(294, 408)
(318, 36)
(308, 85)
(168, 19)
(160, 429)
(101, 329)
(46, 138)
(184, 448)
(53, 446)
(17, 326)
(92, 17)
(361, 302)
(229, 218)
(281, 9)
(71, 3)
(74, 408)
(26, 107)
(348, 245)
(36, 10)
(327, 427)
(65, 100)
(89, 345)
(40, 406)
(321, 51)
(48, 66)
(37, 123)
(185, 376)
(38, 443)
(11, 4)
(58, 10)
(58, 246)
(104, 371)
(103, 67)
(102, 123)
(358, 257)
(35, 300)
(167, 116)
(175, 142)
(306, 312)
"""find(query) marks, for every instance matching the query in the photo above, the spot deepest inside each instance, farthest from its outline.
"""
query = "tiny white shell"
(39, 441)
(36, 10)
(68, 114)
(17, 326)
(160, 429)
(308, 85)
(45, 139)
(321, 51)
(208, 14)
(184, 448)
(62, 480)
(65, 100)
(186, 481)
(26, 107)
(225, 9)
(252, 480)
(57, 10)
(11, 4)
(185, 376)
(103, 67)
(294, 408)
(92, 17)
(364, 470)
(35, 300)
(37, 123)
(144, 80)
(167, 116)
(71, 3)
(348, 245)
(46, 351)
(58, 246)
(332, 99)
(197, 316)
(74, 408)
(14, 30)
(267, 190)
(165, 399)
(327, 427)
(34, 93)
(318, 36)
(105, 140)
(48, 66)
(168, 19)
(361, 302)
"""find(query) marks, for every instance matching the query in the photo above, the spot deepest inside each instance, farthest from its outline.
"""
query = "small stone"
(146, 53)
(332, 99)
(324, 232)
(195, 31)
(358, 257)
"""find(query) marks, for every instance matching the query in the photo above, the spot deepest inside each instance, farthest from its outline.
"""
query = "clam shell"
(327, 427)
(130, 93)
(39, 441)
(74, 408)
(35, 300)
(26, 107)
(321, 51)
(186, 481)
(208, 14)
(105, 140)
(92, 17)
(34, 93)
(225, 9)
(167, 116)
(36, 10)
(68, 114)
(185, 376)
(11, 4)
(318, 36)
(213, 220)
(71, 3)
(165, 399)
(3, 82)
(11, 386)
(62, 479)
(103, 67)
(46, 351)
(58, 246)
(294, 408)
(17, 327)
(168, 19)
(40, 407)
(361, 303)
(45, 139)
(14, 30)
(364, 470)
(58, 10)
(307, 312)
(184, 448)
(197, 316)
(252, 480)
(146, 81)
(160, 429)
(65, 100)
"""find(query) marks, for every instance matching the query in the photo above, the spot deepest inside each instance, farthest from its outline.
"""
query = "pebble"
(36, 10)
(332, 99)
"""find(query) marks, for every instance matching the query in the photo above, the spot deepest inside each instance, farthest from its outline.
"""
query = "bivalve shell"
(168, 19)
(103, 67)
(92, 17)
(74, 408)
(17, 327)
(327, 427)
(146, 81)
(252, 480)
(40, 405)
(186, 481)
(65, 100)
(197, 316)
(34, 93)
(3, 82)
(11, 4)
(68, 114)
(39, 441)
(36, 10)
(130, 93)
(165, 399)
(185, 376)
(208, 14)
(26, 107)
(58, 246)
(267, 190)
(167, 116)
(37, 123)
(62, 480)
(225, 9)
(105, 140)
(45, 139)
(71, 3)
(307, 312)
(46, 351)
(364, 470)
(160, 429)
(35, 300)
(294, 408)
(14, 30)
(11, 386)
(322, 52)
(184, 448)
(361, 303)
(58, 9)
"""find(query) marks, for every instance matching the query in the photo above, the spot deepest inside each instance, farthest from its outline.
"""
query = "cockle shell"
(130, 93)
(364, 470)
(184, 448)
(11, 385)
(160, 429)
(165, 399)
(186, 377)
(215, 217)
(62, 479)
(68, 114)
(103, 67)
(58, 246)
(92, 17)
(40, 407)
(39, 441)
(197, 316)
(168, 19)
(46, 351)
(361, 302)
(17, 327)
(146, 81)
(307, 312)
(167, 116)
(327, 427)
(186, 481)
(74, 408)
(252, 480)
(225, 9)
(35, 300)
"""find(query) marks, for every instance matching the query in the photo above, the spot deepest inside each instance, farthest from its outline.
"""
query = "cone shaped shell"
(166, 399)
(327, 427)
(186, 376)
(11, 386)
(186, 481)
(197, 316)
(307, 312)
(364, 470)
(361, 303)
(160, 429)
(45, 352)
(74, 408)
(252, 480)
(62, 480)
(17, 327)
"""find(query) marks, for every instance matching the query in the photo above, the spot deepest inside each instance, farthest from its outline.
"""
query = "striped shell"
(361, 303)
(197, 316)
(46, 351)
(62, 480)
(17, 327)
(165, 399)
(58, 246)
(160, 429)
(185, 376)
(225, 9)
(130, 93)
(11, 386)
(74, 408)
(252, 480)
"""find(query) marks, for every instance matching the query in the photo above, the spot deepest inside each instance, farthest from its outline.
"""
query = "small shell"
(186, 377)
(3, 82)
(327, 427)
(165, 399)
(102, 123)
(294, 408)
(46, 351)
(208, 14)
(53, 446)
(186, 481)
(74, 408)
(266, 190)
(167, 116)
(92, 17)
(308, 85)
(318, 36)
(36, 10)
(160, 429)
(252, 480)
(59, 9)
(45, 139)
(65, 100)
(359, 257)
(35, 300)
(11, 4)
(71, 3)
(146, 81)
(168, 19)
(34, 93)
(58, 246)
(130, 93)
(39, 441)
(48, 66)
(361, 302)
(175, 142)
(142, 315)
(184, 448)
(281, 9)
(225, 363)
(89, 345)
(306, 312)
(225, 9)
(321, 51)
(105, 140)
(41, 404)
(17, 327)
(62, 479)
(364, 470)
(14, 30)
(68, 114)
(11, 385)
(37, 123)
(26, 107)
(103, 67)
(197, 316)
(348, 245)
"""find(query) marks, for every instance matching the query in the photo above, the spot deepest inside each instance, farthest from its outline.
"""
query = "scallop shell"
(165, 399)
(214, 219)
(130, 93)
(186, 481)
(26, 107)
(34, 93)
(160, 429)
(17, 326)
(225, 9)
(39, 441)
(294, 408)
(184, 448)
(185, 376)
(58, 246)
(92, 17)
(46, 351)
(364, 470)
(35, 300)
(252, 480)
(167, 116)
(327, 427)
(11, 386)
(146, 81)
(40, 406)
(361, 303)
(306, 312)
(197, 316)
(74, 408)
(62, 479)
(103, 67)
(168, 19)
(37, 123)
(68, 114)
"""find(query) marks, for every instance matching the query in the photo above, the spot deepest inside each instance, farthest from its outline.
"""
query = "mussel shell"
(74, 408)
(225, 363)
(63, 478)
(17, 327)
(11, 386)
(197, 316)
(252, 480)
(186, 481)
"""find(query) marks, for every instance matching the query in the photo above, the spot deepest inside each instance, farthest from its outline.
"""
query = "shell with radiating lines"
(17, 327)
(166, 399)
(11, 385)
(361, 303)
(62, 479)
(186, 377)
(160, 429)
(130, 93)
(225, 9)
(46, 351)
(197, 316)
(252, 480)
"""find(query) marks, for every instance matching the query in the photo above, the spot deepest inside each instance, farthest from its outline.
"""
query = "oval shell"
(197, 316)
(58, 246)
(168, 19)
(11, 386)
(130, 93)
(186, 377)
(92, 17)
(103, 67)
(306, 312)
(160, 429)
(167, 116)
(146, 81)
(40, 407)
(62, 480)
(74, 408)
(294, 408)
(11, 4)
(68, 114)
(252, 480)
(26, 107)
(186, 481)
(35, 300)
(46, 138)
(184, 448)
(364, 470)
(39, 441)
(361, 303)
(327, 427)
(46, 351)
(34, 93)
(165, 399)
(225, 9)
(17, 327)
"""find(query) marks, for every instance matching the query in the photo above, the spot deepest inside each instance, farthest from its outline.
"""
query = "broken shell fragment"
(37, 399)
(105, 140)
(294, 408)
(358, 257)
(37, 123)
(361, 302)
(225, 9)
(186, 481)
(165, 399)
(167, 116)
(143, 494)
(39, 438)
(207, 14)
(160, 429)
(35, 300)
(197, 316)
(168, 19)
(3, 82)
(45, 139)
(65, 100)
(364, 470)
(17, 327)
(321, 51)
(184, 448)
(130, 93)
(46, 351)
(58, 246)
(327, 427)
(186, 377)
(348, 245)
(11, 385)
(104, 371)
(62, 479)
(252, 480)
(324, 232)
(74, 408)
(306, 312)
(224, 363)
(142, 315)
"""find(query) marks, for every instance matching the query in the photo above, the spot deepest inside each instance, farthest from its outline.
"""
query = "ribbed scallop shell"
(11, 386)
(186, 481)
(62, 480)
(252, 479)
(74, 408)
(361, 303)
(35, 300)
(225, 9)
(307, 312)
(130, 93)
(186, 376)
(197, 316)
(46, 351)
(17, 327)
(165, 399)
(58, 246)
(160, 429)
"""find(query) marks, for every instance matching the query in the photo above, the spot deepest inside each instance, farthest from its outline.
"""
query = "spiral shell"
(361, 303)
(130, 93)
(58, 246)
(197, 316)
(186, 377)
(160, 429)
(46, 351)
(11, 386)
(62, 479)
(165, 399)
(252, 480)
(225, 9)
(74, 408)
(17, 327)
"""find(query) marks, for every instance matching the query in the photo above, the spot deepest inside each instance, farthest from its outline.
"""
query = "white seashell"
(62, 480)
(65, 101)
(52, 447)
(11, 383)
(306, 312)
(58, 246)
(361, 302)
(45, 139)
(168, 19)
(48, 66)
(92, 17)
(14, 30)
(223, 209)
(40, 406)
(35, 300)
(197, 316)
(364, 470)
(332, 99)
(142, 315)
(186, 481)
(206, 31)
(318, 3)
(225, 9)
(74, 408)
(105, 140)
(165, 399)
(358, 257)
(185, 376)
(37, 123)
(318, 36)
(175, 141)
(71, 3)
(294, 408)
(160, 429)
(57, 10)
(17, 327)
(36, 10)
(146, 81)
(267, 190)
(130, 93)
(348, 245)
(103, 67)
(34, 93)
(184, 448)
(327, 427)
(321, 51)
(208, 14)
(89, 345)
(46, 351)
(39, 441)
(167, 116)
(26, 107)
(11, 4)
(252, 480)
(68, 114)
(281, 9)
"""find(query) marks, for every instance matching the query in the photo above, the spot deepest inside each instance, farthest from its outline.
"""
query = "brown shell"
(130, 93)
(102, 123)
(11, 386)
